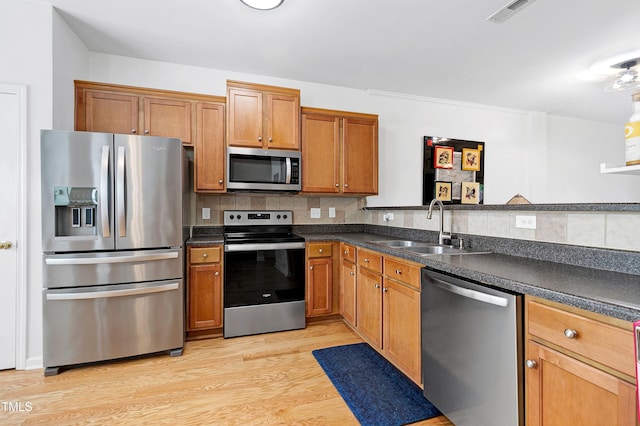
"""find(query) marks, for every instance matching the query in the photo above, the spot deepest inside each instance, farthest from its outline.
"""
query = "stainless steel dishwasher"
(472, 351)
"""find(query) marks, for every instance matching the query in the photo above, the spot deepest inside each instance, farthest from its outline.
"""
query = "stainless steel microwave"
(251, 169)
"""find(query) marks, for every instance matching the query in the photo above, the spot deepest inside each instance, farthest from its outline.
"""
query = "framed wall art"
(451, 160)
(470, 193)
(470, 159)
(443, 157)
(442, 191)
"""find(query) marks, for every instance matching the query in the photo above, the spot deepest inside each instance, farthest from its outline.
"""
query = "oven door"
(267, 170)
(258, 274)
(263, 288)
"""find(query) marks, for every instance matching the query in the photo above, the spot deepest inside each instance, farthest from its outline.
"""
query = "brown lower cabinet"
(204, 291)
(580, 367)
(387, 305)
(321, 285)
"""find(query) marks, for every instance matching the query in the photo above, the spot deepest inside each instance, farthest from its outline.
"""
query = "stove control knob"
(231, 217)
(278, 217)
(284, 217)
(238, 217)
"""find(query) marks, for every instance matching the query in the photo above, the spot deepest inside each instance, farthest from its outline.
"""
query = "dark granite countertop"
(610, 293)
(205, 240)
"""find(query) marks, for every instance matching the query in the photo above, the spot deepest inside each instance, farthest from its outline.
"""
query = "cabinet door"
(564, 391)
(283, 122)
(348, 292)
(320, 153)
(360, 156)
(205, 296)
(369, 306)
(170, 118)
(320, 287)
(401, 327)
(245, 118)
(109, 112)
(209, 154)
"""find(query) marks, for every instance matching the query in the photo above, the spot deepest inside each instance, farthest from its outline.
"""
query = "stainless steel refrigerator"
(112, 247)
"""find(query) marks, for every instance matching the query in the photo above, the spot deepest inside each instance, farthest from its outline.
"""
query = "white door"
(10, 184)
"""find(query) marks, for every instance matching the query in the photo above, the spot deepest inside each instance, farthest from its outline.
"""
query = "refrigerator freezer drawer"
(88, 269)
(107, 322)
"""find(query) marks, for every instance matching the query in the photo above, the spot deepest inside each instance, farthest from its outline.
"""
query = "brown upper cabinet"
(339, 152)
(263, 117)
(101, 107)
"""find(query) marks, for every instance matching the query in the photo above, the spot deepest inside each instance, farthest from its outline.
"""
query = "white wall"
(70, 62)
(25, 43)
(575, 150)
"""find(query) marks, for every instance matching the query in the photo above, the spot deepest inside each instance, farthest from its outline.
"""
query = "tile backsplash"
(348, 210)
(612, 230)
(601, 229)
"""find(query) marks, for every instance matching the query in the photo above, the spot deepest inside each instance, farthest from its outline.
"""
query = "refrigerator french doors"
(112, 246)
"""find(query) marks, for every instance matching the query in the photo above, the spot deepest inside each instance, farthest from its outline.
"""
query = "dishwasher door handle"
(472, 294)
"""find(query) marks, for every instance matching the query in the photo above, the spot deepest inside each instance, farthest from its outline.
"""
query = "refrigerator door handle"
(120, 194)
(131, 258)
(113, 293)
(104, 192)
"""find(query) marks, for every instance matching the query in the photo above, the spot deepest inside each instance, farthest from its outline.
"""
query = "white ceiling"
(433, 48)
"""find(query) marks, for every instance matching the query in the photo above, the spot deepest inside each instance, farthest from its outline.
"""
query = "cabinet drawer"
(204, 255)
(402, 271)
(603, 343)
(319, 250)
(348, 252)
(370, 260)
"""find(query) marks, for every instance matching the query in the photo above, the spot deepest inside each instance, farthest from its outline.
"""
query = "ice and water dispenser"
(75, 210)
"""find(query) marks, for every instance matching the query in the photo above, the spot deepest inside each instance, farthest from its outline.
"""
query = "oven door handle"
(263, 246)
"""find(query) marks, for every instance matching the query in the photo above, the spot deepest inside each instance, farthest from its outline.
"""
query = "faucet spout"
(441, 235)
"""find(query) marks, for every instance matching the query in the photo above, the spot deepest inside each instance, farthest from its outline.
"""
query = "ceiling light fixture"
(624, 80)
(618, 72)
(262, 4)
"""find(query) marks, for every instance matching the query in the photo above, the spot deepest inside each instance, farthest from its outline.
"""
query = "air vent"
(509, 10)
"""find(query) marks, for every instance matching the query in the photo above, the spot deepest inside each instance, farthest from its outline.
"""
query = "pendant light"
(262, 4)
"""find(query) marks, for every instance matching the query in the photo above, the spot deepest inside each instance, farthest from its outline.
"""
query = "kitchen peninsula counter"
(615, 294)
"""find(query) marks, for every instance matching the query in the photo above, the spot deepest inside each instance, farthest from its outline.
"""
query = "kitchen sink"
(425, 249)
(402, 243)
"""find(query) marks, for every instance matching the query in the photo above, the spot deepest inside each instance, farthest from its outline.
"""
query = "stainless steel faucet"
(442, 235)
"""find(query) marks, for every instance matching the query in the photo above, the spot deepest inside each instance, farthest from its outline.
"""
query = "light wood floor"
(266, 379)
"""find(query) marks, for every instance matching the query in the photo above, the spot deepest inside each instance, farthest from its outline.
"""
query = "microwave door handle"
(104, 192)
(120, 194)
(288, 165)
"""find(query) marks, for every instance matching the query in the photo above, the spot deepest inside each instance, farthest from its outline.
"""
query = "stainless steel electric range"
(264, 284)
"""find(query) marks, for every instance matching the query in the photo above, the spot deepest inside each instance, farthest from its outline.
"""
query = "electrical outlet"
(315, 213)
(206, 213)
(526, 222)
(387, 217)
(332, 212)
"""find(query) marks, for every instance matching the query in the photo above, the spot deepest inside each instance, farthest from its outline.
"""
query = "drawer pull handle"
(570, 334)
(377, 286)
(346, 252)
(205, 255)
(319, 250)
(311, 268)
(366, 260)
(351, 273)
(217, 273)
(399, 271)
(531, 364)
